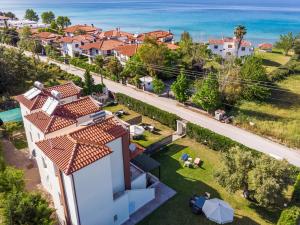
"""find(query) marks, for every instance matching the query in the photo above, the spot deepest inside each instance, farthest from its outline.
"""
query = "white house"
(72, 31)
(72, 45)
(26, 23)
(147, 83)
(117, 34)
(125, 52)
(228, 47)
(83, 158)
(159, 35)
(4, 21)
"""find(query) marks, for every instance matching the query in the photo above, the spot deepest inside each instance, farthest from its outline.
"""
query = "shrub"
(83, 64)
(145, 109)
(289, 216)
(296, 193)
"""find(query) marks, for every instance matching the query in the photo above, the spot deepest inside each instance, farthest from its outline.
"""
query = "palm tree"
(99, 61)
(239, 33)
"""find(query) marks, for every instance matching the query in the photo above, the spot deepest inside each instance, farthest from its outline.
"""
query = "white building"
(83, 158)
(228, 47)
(125, 52)
(147, 83)
(71, 46)
(4, 21)
(26, 23)
(72, 31)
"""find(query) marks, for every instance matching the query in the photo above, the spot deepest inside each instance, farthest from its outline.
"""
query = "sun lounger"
(197, 161)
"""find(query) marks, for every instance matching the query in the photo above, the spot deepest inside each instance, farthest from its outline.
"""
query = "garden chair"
(197, 161)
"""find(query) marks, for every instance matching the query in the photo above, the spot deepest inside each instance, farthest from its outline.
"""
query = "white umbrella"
(218, 211)
(136, 130)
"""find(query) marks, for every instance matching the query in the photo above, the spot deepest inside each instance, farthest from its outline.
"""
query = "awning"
(146, 163)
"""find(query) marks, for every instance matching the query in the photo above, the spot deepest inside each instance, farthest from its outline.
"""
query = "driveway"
(244, 137)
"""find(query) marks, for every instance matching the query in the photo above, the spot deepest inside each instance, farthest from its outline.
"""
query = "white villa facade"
(26, 23)
(226, 47)
(83, 157)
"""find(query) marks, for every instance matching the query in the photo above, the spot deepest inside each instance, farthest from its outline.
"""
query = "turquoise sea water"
(265, 19)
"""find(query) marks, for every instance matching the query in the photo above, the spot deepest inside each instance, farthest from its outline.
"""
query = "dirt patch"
(20, 159)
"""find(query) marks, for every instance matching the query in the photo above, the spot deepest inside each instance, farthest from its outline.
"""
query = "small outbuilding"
(265, 47)
(147, 83)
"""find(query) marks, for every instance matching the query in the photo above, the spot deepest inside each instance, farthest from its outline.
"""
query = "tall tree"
(9, 36)
(239, 33)
(180, 87)
(253, 73)
(270, 178)
(30, 14)
(158, 86)
(233, 174)
(208, 95)
(88, 83)
(48, 17)
(186, 42)
(99, 61)
(114, 68)
(286, 42)
(63, 22)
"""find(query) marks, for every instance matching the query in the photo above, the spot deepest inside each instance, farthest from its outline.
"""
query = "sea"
(265, 20)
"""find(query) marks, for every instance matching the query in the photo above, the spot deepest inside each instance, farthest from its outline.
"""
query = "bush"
(296, 193)
(145, 109)
(83, 64)
(291, 67)
(289, 216)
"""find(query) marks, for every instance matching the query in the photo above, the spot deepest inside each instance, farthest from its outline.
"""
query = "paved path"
(242, 136)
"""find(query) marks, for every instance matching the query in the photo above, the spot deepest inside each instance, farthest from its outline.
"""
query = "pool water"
(13, 115)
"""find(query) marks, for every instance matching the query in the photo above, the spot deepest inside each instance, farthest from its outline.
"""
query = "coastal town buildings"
(158, 35)
(72, 31)
(46, 38)
(25, 23)
(125, 52)
(4, 21)
(84, 157)
(228, 47)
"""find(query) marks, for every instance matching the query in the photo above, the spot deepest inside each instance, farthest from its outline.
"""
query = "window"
(76, 45)
(97, 52)
(216, 47)
(229, 46)
(39, 137)
(44, 163)
(33, 153)
(243, 48)
(31, 139)
(115, 218)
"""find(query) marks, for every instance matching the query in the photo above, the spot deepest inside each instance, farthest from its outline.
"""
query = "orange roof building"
(71, 30)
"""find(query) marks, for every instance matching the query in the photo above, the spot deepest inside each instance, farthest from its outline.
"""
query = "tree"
(80, 32)
(297, 47)
(186, 42)
(88, 83)
(208, 96)
(11, 179)
(114, 68)
(239, 33)
(270, 178)
(286, 42)
(134, 68)
(99, 61)
(30, 14)
(9, 36)
(48, 17)
(63, 22)
(253, 73)
(234, 172)
(158, 86)
(27, 208)
(8, 14)
(53, 25)
(180, 87)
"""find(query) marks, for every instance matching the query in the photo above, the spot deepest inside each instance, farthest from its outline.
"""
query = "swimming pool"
(13, 115)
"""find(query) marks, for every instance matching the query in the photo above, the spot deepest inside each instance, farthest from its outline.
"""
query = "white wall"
(140, 182)
(67, 181)
(117, 165)
(139, 197)
(93, 186)
(121, 209)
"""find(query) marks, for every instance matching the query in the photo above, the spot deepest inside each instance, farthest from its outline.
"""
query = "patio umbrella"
(218, 211)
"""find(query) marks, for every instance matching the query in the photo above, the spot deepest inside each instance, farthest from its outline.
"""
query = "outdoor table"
(200, 202)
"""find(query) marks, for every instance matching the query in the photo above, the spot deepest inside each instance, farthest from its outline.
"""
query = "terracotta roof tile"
(66, 90)
(265, 46)
(103, 45)
(128, 50)
(64, 116)
(79, 149)
(88, 29)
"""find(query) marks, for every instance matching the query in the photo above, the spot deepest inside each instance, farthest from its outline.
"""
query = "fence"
(158, 145)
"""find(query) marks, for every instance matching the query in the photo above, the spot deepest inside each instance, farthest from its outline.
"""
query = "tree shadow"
(260, 115)
(267, 62)
(177, 210)
(284, 98)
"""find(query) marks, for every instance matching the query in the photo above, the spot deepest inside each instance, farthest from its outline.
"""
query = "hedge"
(296, 193)
(145, 109)
(83, 64)
(290, 216)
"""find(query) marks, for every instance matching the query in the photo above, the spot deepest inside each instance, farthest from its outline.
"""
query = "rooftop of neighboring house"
(265, 46)
(228, 40)
(46, 36)
(64, 115)
(115, 33)
(66, 90)
(157, 34)
(170, 46)
(4, 18)
(82, 147)
(103, 45)
(128, 50)
(86, 38)
(86, 28)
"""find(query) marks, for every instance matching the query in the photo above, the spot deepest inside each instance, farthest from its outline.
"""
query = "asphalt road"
(244, 137)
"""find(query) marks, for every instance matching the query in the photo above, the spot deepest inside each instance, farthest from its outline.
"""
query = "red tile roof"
(103, 45)
(79, 149)
(4, 18)
(64, 116)
(115, 33)
(157, 34)
(128, 50)
(265, 46)
(222, 41)
(86, 38)
(66, 90)
(88, 29)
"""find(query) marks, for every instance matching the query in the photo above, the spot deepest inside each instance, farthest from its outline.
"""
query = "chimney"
(92, 25)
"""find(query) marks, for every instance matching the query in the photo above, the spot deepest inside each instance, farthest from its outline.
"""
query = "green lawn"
(20, 143)
(277, 119)
(272, 60)
(161, 131)
(188, 181)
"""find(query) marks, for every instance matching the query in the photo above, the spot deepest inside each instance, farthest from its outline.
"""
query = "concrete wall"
(121, 210)
(139, 197)
(93, 186)
(117, 165)
(140, 182)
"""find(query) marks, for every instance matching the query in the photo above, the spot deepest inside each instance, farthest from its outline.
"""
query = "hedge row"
(213, 140)
(83, 64)
(291, 67)
(296, 193)
(145, 109)
(290, 216)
